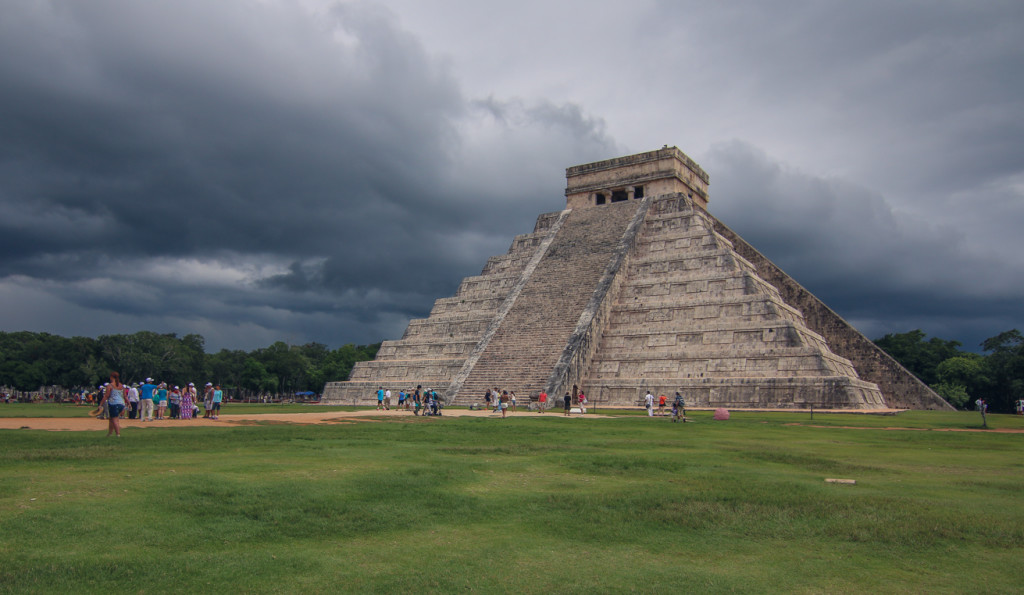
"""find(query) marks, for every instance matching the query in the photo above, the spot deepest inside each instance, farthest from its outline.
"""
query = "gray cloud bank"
(272, 171)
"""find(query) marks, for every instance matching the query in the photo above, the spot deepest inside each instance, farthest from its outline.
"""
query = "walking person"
(583, 403)
(380, 398)
(161, 400)
(649, 404)
(218, 398)
(133, 401)
(146, 400)
(661, 404)
(113, 399)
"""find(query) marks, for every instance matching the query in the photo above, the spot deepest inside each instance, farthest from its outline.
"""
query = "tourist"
(161, 400)
(113, 400)
(387, 400)
(567, 403)
(649, 404)
(401, 399)
(675, 412)
(504, 403)
(512, 400)
(487, 399)
(496, 399)
(146, 400)
(218, 398)
(380, 398)
(187, 397)
(542, 401)
(174, 402)
(104, 410)
(661, 405)
(208, 401)
(583, 403)
(680, 405)
(133, 401)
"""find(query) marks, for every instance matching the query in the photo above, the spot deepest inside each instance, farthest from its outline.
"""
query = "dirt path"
(81, 424)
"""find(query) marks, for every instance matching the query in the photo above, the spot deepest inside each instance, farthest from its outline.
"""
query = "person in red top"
(661, 405)
(543, 400)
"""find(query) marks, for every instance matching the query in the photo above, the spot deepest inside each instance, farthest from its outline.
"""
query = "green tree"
(1004, 367)
(918, 356)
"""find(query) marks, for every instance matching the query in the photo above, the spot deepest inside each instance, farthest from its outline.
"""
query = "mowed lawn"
(530, 505)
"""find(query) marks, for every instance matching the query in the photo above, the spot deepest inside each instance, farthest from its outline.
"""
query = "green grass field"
(533, 505)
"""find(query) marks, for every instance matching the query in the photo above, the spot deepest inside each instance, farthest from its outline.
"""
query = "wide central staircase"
(530, 338)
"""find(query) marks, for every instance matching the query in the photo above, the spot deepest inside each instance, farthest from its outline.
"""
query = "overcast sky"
(262, 170)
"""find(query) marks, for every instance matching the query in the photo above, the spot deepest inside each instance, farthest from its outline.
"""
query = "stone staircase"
(531, 337)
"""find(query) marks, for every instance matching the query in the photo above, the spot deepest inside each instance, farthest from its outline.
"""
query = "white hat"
(190, 384)
(175, 387)
(149, 380)
(209, 384)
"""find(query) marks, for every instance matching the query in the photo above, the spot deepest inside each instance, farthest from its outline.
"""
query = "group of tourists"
(678, 406)
(155, 401)
(497, 400)
(418, 400)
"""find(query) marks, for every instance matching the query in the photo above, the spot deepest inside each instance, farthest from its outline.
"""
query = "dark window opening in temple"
(599, 199)
(638, 192)
(619, 195)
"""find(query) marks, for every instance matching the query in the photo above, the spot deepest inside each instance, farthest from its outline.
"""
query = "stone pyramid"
(636, 287)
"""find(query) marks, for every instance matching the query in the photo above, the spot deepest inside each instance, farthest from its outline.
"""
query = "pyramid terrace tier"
(723, 362)
(700, 312)
(436, 370)
(835, 392)
(425, 349)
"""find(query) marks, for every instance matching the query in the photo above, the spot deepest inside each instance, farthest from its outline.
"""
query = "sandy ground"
(312, 417)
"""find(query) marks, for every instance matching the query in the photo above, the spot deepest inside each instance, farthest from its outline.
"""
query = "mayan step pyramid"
(636, 287)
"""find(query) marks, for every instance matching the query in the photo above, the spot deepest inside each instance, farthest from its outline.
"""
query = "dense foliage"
(29, 361)
(961, 377)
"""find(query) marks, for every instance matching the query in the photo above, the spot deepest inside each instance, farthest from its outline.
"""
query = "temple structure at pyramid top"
(665, 171)
(632, 287)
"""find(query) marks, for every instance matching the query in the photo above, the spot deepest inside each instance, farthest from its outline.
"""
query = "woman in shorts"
(503, 399)
(113, 398)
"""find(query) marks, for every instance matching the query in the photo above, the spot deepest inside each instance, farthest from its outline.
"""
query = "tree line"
(962, 377)
(32, 361)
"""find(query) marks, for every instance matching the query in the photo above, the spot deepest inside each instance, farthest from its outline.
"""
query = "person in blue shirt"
(146, 400)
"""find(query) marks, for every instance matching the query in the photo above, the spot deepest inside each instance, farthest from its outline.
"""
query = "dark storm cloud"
(243, 169)
(882, 269)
